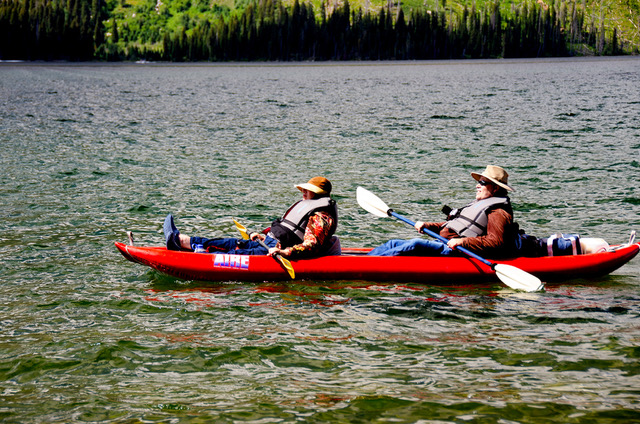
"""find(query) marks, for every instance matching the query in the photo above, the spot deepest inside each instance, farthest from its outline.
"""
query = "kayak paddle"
(285, 262)
(513, 277)
(242, 229)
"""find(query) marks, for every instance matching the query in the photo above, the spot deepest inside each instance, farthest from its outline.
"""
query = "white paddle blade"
(371, 203)
(518, 279)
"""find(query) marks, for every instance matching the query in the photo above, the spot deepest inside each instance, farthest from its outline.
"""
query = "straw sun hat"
(496, 175)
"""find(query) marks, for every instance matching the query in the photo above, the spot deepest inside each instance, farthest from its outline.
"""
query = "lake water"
(90, 151)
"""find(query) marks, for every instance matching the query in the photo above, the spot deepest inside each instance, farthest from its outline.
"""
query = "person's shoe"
(171, 234)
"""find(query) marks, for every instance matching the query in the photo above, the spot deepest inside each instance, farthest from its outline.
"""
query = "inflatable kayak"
(354, 264)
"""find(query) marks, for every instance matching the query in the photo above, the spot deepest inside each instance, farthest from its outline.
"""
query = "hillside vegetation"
(315, 30)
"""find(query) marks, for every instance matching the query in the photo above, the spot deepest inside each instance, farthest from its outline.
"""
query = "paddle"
(285, 263)
(510, 275)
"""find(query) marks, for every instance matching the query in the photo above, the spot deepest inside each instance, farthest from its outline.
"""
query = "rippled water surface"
(89, 152)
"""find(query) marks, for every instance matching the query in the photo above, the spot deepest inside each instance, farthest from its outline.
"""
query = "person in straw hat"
(484, 226)
(306, 229)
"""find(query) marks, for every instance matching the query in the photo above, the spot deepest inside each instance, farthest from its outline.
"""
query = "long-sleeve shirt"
(316, 235)
(492, 244)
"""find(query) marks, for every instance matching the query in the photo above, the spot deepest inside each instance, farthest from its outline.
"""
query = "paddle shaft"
(263, 244)
(442, 239)
(245, 235)
(279, 258)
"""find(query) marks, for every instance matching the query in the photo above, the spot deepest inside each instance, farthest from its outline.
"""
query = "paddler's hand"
(254, 236)
(276, 251)
(419, 226)
(454, 242)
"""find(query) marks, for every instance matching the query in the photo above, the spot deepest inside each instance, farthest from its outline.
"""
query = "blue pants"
(413, 247)
(233, 245)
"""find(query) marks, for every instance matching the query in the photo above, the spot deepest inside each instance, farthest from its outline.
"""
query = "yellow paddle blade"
(242, 229)
(287, 265)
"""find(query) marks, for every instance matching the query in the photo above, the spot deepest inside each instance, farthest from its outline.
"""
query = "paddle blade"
(518, 279)
(371, 203)
(287, 265)
(242, 229)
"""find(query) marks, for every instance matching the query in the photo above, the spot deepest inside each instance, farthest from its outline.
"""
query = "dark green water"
(91, 151)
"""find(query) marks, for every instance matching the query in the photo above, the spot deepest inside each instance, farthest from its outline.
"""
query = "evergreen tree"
(401, 34)
(115, 36)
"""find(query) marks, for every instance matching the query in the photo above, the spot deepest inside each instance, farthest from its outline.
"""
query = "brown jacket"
(492, 244)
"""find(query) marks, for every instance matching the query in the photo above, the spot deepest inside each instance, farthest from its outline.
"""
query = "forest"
(270, 30)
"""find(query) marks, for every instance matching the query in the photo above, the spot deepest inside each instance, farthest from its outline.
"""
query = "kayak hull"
(354, 264)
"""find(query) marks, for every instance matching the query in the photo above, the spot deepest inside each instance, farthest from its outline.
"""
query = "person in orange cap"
(306, 229)
(484, 226)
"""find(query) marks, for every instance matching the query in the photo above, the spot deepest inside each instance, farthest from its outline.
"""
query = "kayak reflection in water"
(484, 226)
(305, 230)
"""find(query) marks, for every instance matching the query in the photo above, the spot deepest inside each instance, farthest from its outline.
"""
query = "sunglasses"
(484, 182)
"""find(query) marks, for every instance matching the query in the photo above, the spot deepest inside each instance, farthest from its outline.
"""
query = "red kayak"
(354, 264)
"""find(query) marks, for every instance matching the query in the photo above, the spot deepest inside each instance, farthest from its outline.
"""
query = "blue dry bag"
(563, 245)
